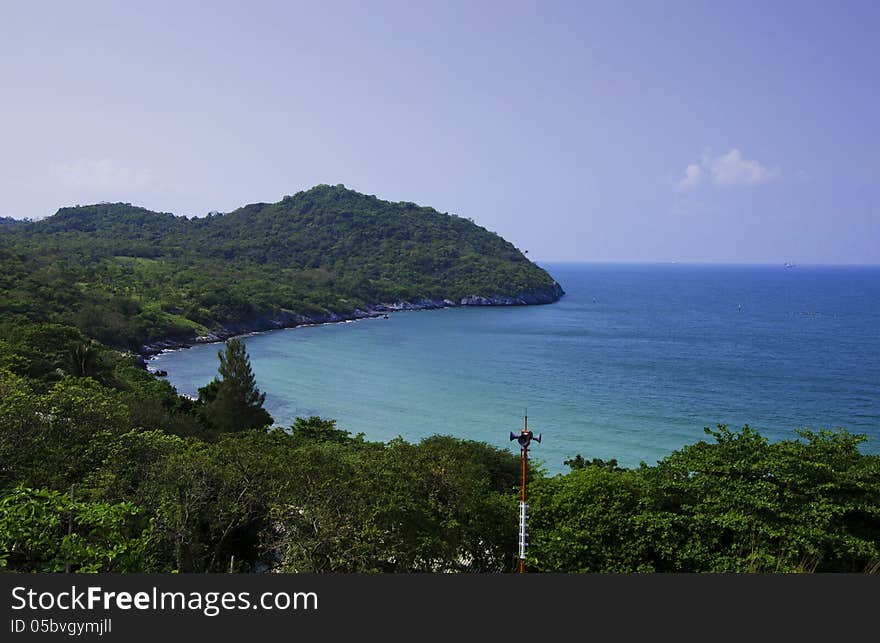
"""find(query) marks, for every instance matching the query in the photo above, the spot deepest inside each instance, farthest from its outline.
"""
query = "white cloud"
(726, 170)
(693, 176)
(102, 175)
(733, 169)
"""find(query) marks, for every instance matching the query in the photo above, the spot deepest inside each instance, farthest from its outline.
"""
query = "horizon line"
(727, 262)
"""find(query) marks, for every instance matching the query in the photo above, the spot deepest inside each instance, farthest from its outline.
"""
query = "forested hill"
(126, 275)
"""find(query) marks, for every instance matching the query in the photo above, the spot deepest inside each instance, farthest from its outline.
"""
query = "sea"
(632, 363)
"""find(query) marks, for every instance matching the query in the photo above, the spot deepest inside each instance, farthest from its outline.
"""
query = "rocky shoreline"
(287, 319)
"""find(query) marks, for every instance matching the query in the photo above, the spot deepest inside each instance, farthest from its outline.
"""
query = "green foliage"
(316, 429)
(46, 531)
(789, 506)
(318, 499)
(124, 275)
(431, 507)
(579, 462)
(165, 483)
(233, 402)
(54, 439)
(740, 504)
(587, 521)
(48, 352)
(210, 504)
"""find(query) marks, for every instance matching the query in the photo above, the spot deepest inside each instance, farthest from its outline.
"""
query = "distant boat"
(788, 264)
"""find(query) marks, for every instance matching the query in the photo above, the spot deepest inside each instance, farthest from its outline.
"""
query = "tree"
(738, 504)
(580, 462)
(233, 402)
(746, 504)
(318, 429)
(589, 520)
(209, 501)
(55, 439)
(82, 359)
(442, 505)
(46, 531)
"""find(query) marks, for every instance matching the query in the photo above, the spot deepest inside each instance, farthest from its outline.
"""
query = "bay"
(631, 364)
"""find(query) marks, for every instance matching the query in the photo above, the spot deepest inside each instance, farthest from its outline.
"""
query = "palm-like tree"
(83, 360)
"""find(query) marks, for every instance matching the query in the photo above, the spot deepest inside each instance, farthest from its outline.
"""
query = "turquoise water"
(631, 364)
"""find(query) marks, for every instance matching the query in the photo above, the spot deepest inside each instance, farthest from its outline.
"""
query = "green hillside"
(104, 468)
(126, 275)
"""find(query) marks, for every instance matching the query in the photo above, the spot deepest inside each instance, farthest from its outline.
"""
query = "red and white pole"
(524, 438)
(523, 506)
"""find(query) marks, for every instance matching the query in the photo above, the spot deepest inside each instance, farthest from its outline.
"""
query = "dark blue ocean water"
(631, 364)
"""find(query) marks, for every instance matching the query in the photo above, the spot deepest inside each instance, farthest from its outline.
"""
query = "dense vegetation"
(738, 504)
(103, 467)
(150, 481)
(125, 275)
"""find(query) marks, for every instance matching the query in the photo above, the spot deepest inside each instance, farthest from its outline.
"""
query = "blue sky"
(624, 131)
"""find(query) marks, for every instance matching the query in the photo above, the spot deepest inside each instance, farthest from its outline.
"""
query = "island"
(105, 468)
(143, 280)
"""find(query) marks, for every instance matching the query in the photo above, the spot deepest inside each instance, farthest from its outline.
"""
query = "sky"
(579, 131)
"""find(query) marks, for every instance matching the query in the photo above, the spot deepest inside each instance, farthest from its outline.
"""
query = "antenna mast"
(524, 438)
